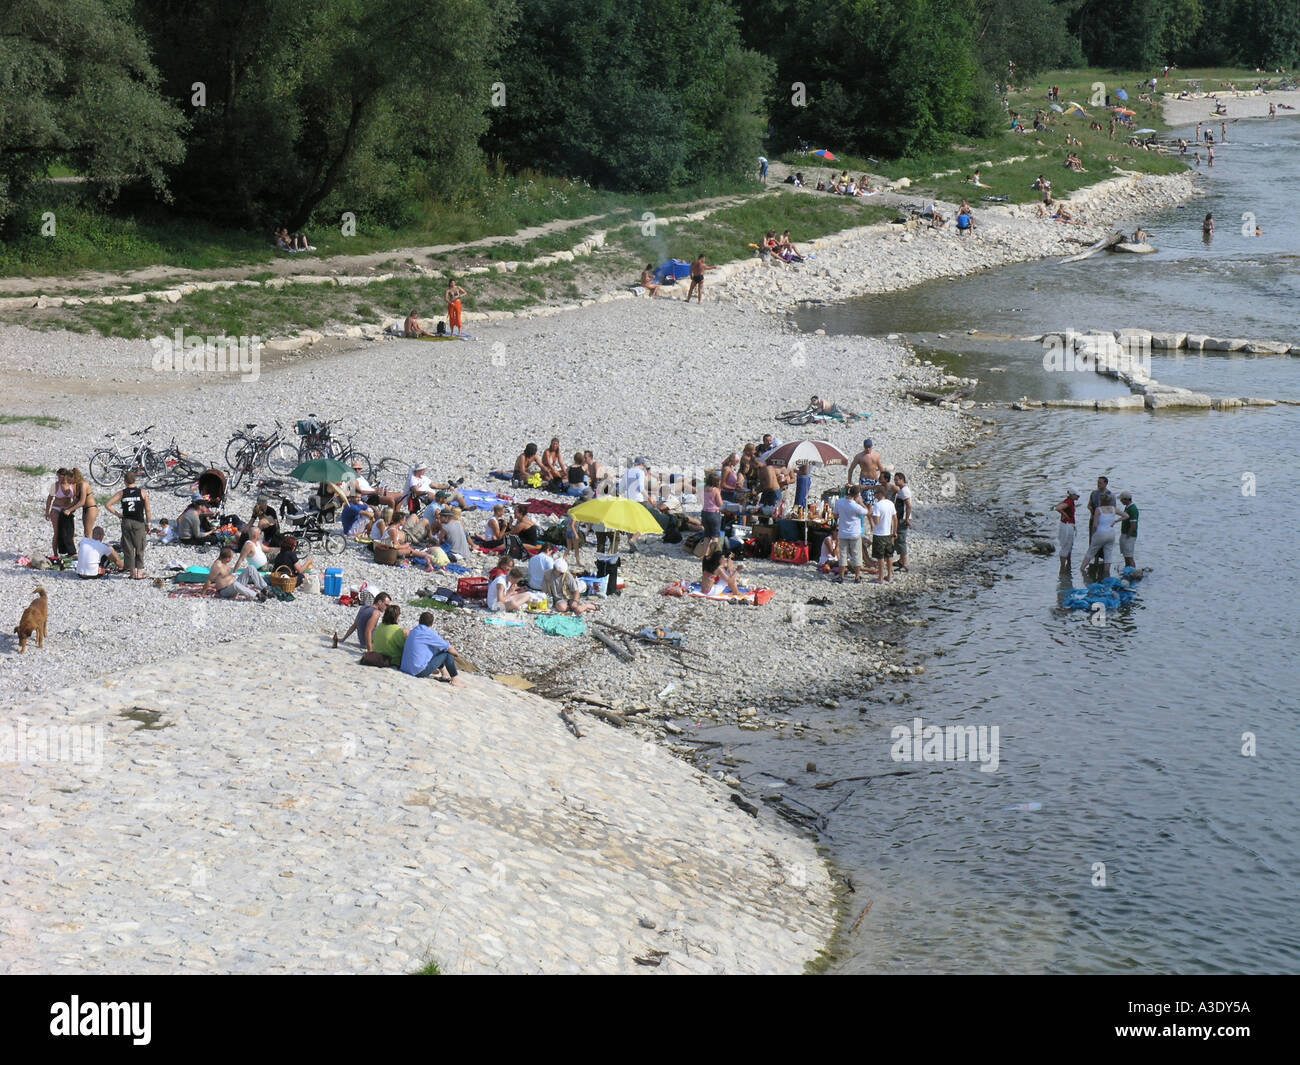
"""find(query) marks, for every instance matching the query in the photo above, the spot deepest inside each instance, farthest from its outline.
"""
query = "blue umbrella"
(1121, 94)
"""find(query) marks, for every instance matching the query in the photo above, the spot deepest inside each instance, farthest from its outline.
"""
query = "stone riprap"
(268, 809)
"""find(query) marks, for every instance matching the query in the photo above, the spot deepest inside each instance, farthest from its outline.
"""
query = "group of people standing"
(1112, 527)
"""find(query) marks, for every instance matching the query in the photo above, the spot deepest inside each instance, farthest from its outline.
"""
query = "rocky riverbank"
(277, 809)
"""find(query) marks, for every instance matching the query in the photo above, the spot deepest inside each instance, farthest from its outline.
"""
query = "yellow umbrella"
(615, 512)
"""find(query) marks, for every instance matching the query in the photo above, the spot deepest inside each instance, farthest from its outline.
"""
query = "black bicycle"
(246, 453)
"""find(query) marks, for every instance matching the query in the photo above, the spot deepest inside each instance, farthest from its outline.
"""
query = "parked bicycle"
(246, 453)
(108, 465)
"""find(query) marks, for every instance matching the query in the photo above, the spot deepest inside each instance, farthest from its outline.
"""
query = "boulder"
(1121, 403)
(1224, 344)
(1169, 341)
(285, 344)
(1226, 403)
(1196, 341)
(18, 303)
(1266, 347)
(1161, 401)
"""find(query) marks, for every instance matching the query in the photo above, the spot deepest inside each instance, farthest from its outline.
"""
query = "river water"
(1124, 829)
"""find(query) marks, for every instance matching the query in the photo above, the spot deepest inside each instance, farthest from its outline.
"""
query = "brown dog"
(33, 621)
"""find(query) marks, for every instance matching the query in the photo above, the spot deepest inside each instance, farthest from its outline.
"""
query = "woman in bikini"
(85, 502)
(454, 295)
(58, 504)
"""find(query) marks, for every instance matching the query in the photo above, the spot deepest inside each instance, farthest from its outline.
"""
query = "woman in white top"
(1105, 534)
(252, 557)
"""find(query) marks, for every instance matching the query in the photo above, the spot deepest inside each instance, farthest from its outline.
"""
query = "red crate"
(473, 587)
(794, 552)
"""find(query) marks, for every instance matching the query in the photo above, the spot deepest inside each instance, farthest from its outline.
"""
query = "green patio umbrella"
(318, 470)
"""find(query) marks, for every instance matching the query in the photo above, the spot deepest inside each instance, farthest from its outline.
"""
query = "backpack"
(672, 531)
(441, 329)
(555, 534)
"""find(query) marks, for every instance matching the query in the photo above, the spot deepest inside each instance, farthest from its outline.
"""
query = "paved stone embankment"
(266, 809)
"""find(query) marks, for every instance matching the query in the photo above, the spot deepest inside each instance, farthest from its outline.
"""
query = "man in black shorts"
(698, 267)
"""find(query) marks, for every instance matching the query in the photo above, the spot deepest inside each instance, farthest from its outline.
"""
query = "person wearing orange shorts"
(454, 295)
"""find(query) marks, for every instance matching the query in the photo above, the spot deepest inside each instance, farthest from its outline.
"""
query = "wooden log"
(612, 716)
(938, 397)
(612, 646)
(1101, 245)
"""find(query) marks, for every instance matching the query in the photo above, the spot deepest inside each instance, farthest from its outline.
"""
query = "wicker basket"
(385, 556)
(284, 580)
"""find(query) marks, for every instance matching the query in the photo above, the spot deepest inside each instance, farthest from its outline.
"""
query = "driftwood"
(865, 911)
(612, 716)
(570, 724)
(938, 397)
(643, 640)
(1101, 245)
(615, 648)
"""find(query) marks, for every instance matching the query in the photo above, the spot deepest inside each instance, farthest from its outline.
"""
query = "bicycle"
(797, 417)
(245, 453)
(108, 465)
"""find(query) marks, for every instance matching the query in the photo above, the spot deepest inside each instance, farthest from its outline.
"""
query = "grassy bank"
(724, 236)
(89, 237)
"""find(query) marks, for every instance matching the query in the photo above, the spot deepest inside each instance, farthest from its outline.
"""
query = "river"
(1143, 815)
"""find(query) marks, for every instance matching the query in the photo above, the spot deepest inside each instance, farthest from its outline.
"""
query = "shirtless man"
(698, 269)
(869, 462)
(414, 327)
(527, 464)
(773, 480)
(222, 581)
(596, 473)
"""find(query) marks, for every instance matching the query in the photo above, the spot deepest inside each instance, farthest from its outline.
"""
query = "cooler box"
(596, 586)
(333, 581)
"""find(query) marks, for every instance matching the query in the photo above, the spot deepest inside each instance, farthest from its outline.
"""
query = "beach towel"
(561, 625)
(481, 500)
(193, 575)
(547, 507)
(508, 622)
(746, 594)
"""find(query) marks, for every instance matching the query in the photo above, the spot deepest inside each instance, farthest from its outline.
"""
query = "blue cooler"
(334, 581)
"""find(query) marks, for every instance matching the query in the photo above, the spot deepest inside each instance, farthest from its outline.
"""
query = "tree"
(77, 84)
(302, 97)
(637, 96)
(1030, 33)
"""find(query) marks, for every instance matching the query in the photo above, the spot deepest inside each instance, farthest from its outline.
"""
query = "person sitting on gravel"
(356, 518)
(564, 592)
(194, 527)
(223, 582)
(523, 532)
(389, 638)
(288, 558)
(965, 222)
(91, 552)
(526, 465)
(494, 535)
(787, 249)
(413, 328)
(367, 620)
(252, 559)
(267, 519)
(554, 472)
(648, 281)
(719, 575)
(509, 591)
(426, 654)
(829, 559)
(451, 535)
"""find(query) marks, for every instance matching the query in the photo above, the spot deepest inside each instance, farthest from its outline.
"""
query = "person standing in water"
(454, 295)
(1065, 534)
(1207, 227)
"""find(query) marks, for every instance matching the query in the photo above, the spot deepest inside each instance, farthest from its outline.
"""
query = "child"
(829, 560)
(166, 532)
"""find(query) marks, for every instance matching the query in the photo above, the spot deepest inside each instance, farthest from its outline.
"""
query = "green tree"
(309, 104)
(77, 84)
(1032, 34)
(637, 96)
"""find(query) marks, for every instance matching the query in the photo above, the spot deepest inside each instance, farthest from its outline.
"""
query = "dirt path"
(284, 265)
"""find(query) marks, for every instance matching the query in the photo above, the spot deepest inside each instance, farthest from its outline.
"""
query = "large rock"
(1162, 401)
(1266, 347)
(1121, 403)
(1169, 341)
(1224, 344)
(1196, 341)
(1226, 403)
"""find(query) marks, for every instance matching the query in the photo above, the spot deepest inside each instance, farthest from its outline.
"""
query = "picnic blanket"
(483, 500)
(193, 575)
(547, 507)
(747, 595)
(509, 622)
(561, 625)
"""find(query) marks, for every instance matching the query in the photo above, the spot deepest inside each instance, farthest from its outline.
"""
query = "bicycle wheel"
(334, 543)
(281, 459)
(236, 444)
(363, 460)
(106, 467)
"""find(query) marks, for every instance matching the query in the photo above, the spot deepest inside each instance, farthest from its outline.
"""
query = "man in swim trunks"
(698, 268)
(773, 480)
(454, 295)
(414, 327)
(870, 463)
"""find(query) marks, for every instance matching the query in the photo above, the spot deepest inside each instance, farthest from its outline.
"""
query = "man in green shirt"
(1128, 530)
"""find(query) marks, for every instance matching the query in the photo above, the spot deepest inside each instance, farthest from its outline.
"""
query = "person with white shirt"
(539, 566)
(849, 513)
(903, 505)
(507, 591)
(1107, 520)
(635, 486)
(884, 524)
(91, 552)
